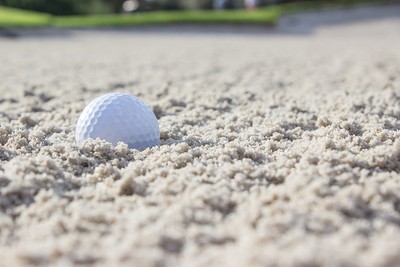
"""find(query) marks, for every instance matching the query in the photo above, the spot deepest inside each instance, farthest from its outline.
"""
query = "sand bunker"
(276, 149)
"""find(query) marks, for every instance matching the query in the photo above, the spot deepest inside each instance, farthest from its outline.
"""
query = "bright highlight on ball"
(117, 118)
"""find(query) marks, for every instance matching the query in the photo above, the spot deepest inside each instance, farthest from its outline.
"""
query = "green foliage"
(194, 4)
(61, 7)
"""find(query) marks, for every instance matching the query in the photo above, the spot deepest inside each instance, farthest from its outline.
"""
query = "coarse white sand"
(278, 147)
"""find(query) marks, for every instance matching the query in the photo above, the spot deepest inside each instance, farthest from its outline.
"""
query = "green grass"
(10, 17)
(264, 16)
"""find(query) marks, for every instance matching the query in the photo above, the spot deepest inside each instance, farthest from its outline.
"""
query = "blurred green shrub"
(62, 7)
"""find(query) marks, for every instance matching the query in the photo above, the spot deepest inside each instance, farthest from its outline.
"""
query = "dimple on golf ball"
(117, 118)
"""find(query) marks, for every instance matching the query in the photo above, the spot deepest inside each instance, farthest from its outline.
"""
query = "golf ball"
(117, 118)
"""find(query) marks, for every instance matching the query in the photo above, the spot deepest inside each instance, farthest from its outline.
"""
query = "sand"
(279, 147)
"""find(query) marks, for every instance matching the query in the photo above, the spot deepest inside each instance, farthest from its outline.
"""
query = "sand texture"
(278, 147)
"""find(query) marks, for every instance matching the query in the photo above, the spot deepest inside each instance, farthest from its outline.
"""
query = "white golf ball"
(119, 118)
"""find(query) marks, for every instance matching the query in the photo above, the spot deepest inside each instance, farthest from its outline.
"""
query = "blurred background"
(97, 13)
(74, 7)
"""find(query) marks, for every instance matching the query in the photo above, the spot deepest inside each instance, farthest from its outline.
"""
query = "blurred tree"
(145, 5)
(195, 4)
(61, 7)
(168, 4)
